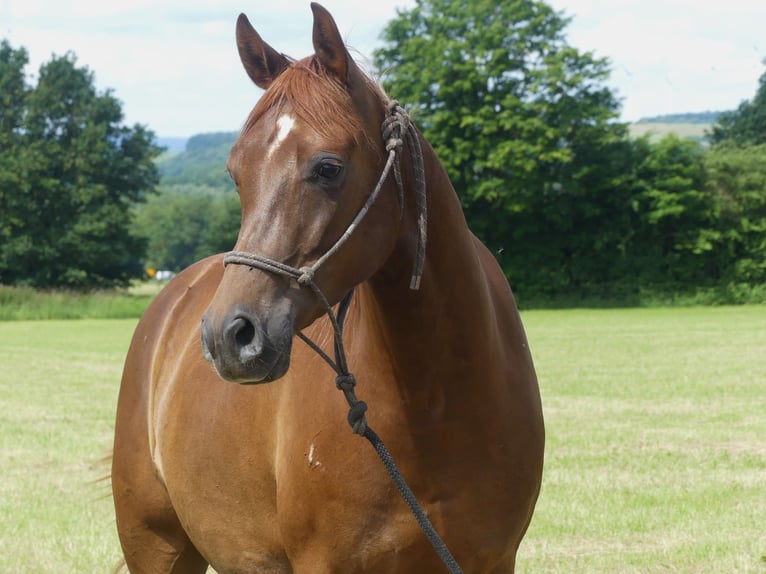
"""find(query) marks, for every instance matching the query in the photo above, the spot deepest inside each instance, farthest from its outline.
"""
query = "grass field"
(20, 303)
(656, 452)
(657, 131)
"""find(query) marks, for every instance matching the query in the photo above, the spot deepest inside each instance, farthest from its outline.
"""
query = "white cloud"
(674, 56)
(174, 64)
(175, 67)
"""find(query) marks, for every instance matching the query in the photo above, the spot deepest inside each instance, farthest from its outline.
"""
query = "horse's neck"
(430, 333)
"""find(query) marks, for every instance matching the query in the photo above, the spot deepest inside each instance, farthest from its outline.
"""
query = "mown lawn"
(656, 452)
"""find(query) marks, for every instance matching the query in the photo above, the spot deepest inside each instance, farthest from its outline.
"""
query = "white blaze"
(285, 124)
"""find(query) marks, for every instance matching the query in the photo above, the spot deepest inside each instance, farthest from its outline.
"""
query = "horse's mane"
(318, 99)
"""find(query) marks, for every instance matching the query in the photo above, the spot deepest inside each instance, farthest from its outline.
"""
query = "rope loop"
(356, 418)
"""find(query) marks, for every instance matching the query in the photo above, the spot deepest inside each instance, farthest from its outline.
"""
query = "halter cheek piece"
(396, 129)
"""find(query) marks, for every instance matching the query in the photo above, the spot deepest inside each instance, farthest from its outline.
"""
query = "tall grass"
(655, 455)
(19, 303)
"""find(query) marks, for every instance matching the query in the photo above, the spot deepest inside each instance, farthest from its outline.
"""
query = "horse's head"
(305, 164)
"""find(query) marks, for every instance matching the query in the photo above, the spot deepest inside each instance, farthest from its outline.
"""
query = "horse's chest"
(256, 491)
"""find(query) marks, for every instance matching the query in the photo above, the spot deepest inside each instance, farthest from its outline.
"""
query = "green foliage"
(572, 205)
(675, 232)
(737, 181)
(69, 174)
(183, 224)
(498, 93)
(747, 124)
(525, 127)
(197, 211)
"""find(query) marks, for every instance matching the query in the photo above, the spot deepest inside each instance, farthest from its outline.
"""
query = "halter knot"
(306, 276)
(395, 126)
(356, 418)
(394, 143)
(345, 382)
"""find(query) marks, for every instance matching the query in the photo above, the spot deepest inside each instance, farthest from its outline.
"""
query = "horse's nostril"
(244, 331)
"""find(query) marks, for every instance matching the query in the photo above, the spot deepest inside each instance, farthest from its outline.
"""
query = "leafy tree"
(676, 235)
(78, 170)
(183, 225)
(737, 180)
(747, 124)
(223, 226)
(525, 127)
(13, 92)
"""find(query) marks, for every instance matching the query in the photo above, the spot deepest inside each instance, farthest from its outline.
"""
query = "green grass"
(656, 452)
(58, 393)
(655, 458)
(19, 303)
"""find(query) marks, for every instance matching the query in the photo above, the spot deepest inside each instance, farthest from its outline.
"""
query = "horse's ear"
(262, 62)
(329, 46)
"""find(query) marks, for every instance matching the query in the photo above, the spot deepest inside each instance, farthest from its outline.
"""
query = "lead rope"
(396, 126)
(346, 382)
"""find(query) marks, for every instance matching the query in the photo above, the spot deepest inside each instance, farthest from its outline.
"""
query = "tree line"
(549, 178)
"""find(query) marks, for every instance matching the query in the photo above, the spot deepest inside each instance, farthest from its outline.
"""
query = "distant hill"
(695, 125)
(657, 131)
(202, 162)
(201, 159)
(707, 118)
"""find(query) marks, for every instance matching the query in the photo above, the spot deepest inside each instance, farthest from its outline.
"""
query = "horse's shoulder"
(495, 277)
(183, 299)
(197, 281)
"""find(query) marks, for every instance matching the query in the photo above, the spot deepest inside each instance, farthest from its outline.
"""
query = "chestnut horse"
(268, 478)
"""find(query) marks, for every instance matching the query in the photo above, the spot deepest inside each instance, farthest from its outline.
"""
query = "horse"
(231, 446)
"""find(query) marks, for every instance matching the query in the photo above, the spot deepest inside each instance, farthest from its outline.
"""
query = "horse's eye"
(328, 170)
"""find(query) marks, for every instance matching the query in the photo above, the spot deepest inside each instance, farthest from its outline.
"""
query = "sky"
(174, 65)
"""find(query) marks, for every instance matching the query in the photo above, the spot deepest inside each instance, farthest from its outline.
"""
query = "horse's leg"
(152, 538)
(153, 541)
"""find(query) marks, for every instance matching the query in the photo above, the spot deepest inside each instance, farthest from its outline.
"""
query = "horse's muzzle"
(245, 349)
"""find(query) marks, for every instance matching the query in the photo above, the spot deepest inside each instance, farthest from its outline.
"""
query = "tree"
(737, 181)
(182, 225)
(525, 127)
(676, 234)
(76, 173)
(747, 124)
(13, 92)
